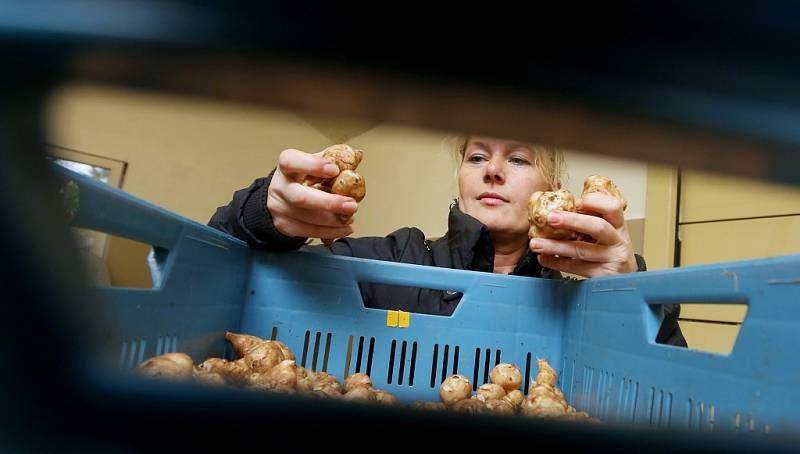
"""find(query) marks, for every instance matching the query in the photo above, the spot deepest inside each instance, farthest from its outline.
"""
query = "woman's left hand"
(612, 253)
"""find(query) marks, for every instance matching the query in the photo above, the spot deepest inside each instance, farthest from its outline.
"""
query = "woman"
(487, 226)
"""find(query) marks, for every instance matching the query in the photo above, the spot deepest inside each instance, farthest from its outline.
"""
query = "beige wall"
(185, 155)
(189, 155)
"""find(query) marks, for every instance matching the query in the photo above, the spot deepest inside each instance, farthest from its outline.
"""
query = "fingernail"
(330, 168)
(554, 218)
(349, 205)
(536, 244)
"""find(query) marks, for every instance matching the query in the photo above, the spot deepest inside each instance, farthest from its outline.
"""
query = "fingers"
(295, 195)
(588, 269)
(567, 265)
(608, 207)
(323, 218)
(295, 165)
(572, 249)
(299, 210)
(596, 227)
(601, 217)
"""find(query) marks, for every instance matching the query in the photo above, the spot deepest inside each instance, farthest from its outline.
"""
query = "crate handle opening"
(709, 326)
(118, 262)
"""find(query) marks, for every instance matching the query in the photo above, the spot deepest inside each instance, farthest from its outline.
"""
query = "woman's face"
(495, 181)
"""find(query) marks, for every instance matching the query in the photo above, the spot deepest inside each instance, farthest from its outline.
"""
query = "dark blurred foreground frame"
(712, 87)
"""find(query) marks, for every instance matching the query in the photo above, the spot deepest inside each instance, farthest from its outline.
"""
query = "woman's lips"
(491, 199)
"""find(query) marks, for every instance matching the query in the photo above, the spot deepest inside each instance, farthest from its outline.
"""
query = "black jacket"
(467, 245)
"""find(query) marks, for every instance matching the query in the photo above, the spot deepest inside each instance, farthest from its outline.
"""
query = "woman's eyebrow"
(480, 144)
(519, 146)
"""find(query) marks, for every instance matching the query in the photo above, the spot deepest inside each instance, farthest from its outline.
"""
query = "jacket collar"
(470, 246)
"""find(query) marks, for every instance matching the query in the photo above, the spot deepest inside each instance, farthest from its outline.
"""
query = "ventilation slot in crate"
(699, 416)
(659, 407)
(407, 353)
(527, 379)
(483, 358)
(132, 353)
(445, 362)
(166, 344)
(748, 425)
(391, 362)
(597, 390)
(628, 398)
(566, 379)
(605, 384)
(362, 364)
(315, 351)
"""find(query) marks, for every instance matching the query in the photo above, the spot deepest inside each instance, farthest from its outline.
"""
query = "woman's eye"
(476, 158)
(519, 161)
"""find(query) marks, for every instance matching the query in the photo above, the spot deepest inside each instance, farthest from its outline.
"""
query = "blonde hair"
(549, 160)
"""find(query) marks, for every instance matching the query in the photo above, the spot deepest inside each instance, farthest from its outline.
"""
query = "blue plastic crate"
(598, 333)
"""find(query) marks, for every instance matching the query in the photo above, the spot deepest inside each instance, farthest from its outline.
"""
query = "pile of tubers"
(269, 365)
(264, 365)
(348, 182)
(503, 396)
(542, 203)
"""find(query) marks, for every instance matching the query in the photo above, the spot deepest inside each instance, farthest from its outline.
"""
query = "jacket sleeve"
(246, 217)
(394, 247)
(670, 331)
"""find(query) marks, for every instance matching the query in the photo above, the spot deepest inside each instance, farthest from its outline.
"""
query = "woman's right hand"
(299, 210)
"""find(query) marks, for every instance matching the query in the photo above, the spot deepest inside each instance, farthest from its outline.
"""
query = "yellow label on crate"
(391, 318)
(405, 319)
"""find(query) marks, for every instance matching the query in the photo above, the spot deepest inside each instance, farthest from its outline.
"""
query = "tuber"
(540, 205)
(454, 389)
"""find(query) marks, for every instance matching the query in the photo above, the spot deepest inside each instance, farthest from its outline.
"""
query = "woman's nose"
(494, 172)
